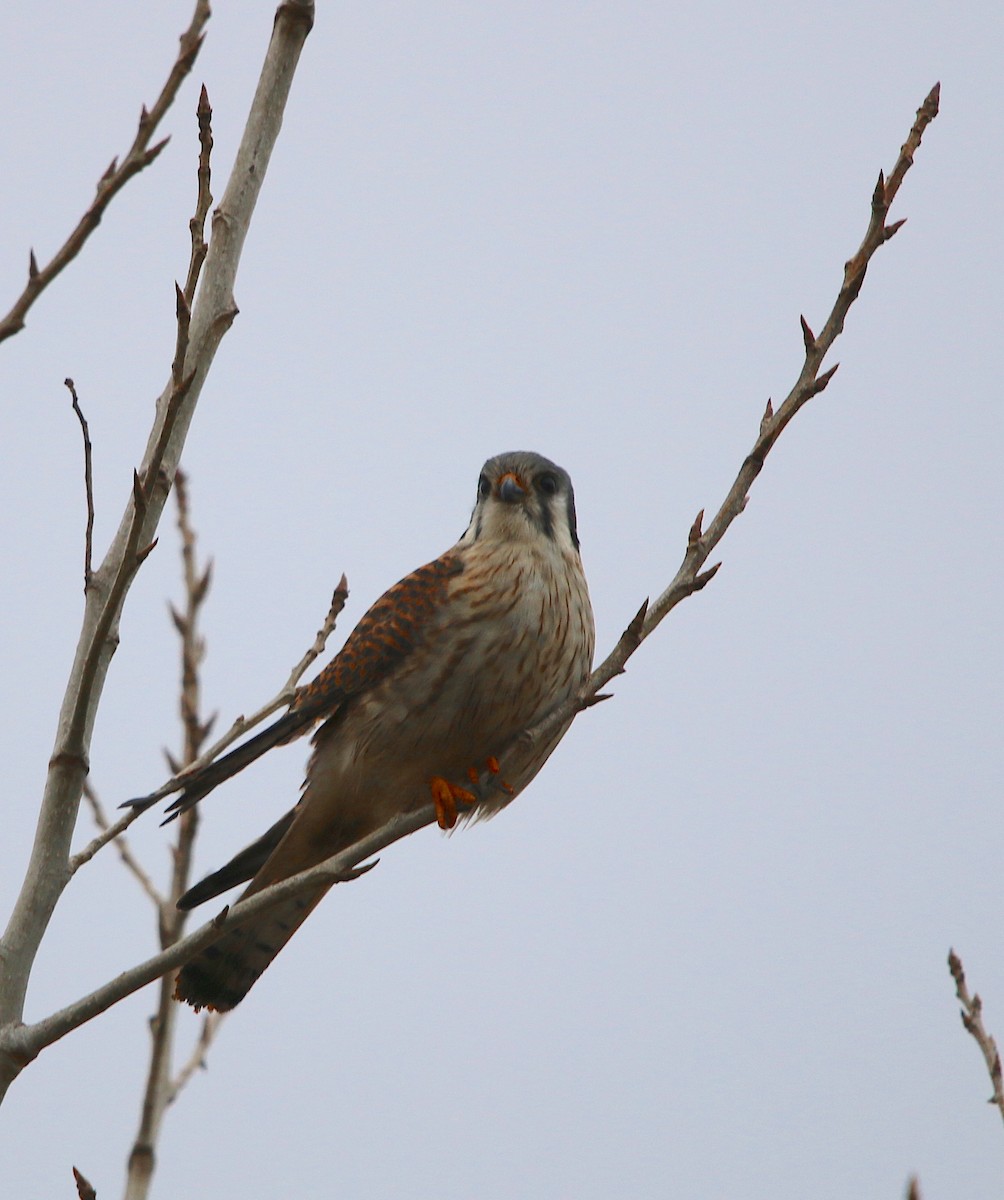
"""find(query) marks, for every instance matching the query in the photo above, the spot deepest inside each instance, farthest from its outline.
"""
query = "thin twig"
(690, 578)
(88, 484)
(197, 225)
(241, 725)
(160, 1090)
(107, 834)
(140, 155)
(129, 860)
(338, 598)
(197, 1060)
(972, 1020)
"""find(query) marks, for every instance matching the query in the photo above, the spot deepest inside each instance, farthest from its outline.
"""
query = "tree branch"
(197, 1060)
(88, 485)
(84, 1189)
(160, 1089)
(140, 155)
(690, 578)
(214, 310)
(25, 1042)
(972, 1020)
(242, 724)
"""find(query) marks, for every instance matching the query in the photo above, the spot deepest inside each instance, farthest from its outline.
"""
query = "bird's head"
(524, 496)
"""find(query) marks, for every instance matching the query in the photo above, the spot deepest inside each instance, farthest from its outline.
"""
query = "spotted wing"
(386, 635)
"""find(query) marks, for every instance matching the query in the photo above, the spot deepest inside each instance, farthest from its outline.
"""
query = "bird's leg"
(445, 796)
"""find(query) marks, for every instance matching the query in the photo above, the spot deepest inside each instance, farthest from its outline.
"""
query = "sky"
(704, 954)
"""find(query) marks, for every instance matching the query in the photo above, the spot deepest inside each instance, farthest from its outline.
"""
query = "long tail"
(221, 975)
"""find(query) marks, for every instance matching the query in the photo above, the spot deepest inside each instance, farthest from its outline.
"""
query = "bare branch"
(25, 1042)
(159, 1089)
(197, 225)
(242, 724)
(338, 598)
(88, 485)
(810, 382)
(972, 1019)
(107, 835)
(212, 314)
(140, 155)
(197, 1061)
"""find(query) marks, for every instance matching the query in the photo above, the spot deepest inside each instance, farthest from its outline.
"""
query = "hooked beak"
(510, 488)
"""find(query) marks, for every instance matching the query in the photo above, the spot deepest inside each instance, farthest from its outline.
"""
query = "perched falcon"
(436, 680)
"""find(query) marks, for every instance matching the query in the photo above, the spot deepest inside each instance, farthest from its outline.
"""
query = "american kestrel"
(438, 677)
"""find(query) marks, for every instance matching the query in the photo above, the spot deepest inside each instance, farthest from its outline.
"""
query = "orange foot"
(493, 766)
(492, 763)
(445, 796)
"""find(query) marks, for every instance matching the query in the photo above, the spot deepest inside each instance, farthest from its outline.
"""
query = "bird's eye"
(548, 484)
(484, 487)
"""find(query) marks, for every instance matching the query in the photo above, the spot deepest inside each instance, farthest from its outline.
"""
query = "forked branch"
(118, 174)
(810, 382)
(211, 315)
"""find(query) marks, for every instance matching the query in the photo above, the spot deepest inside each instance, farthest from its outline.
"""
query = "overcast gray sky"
(704, 955)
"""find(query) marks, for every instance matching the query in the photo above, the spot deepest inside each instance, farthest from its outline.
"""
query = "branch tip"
(879, 203)
(32, 265)
(202, 583)
(182, 308)
(84, 1189)
(820, 384)
(808, 337)
(115, 177)
(694, 536)
(890, 231)
(144, 554)
(353, 873)
(637, 623)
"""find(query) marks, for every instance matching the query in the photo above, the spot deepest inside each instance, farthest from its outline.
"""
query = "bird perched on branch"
(439, 677)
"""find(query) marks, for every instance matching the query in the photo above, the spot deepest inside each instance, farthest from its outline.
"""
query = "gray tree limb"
(211, 316)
